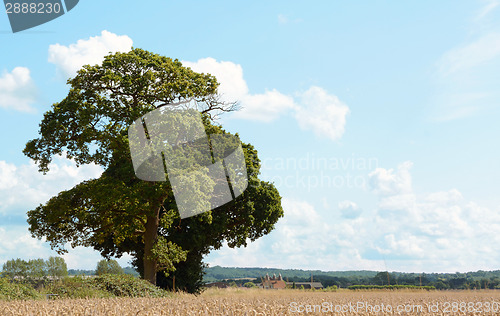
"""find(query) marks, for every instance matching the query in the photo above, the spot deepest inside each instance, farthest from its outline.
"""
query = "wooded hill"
(343, 279)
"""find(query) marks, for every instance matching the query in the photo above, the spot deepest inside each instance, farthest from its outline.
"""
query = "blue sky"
(377, 122)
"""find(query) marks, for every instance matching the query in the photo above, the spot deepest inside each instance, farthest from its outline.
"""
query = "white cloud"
(264, 107)
(390, 181)
(489, 6)
(315, 109)
(16, 242)
(452, 196)
(465, 76)
(230, 76)
(436, 232)
(17, 90)
(15, 238)
(349, 209)
(23, 187)
(464, 58)
(322, 113)
(302, 239)
(69, 59)
(440, 231)
(86, 258)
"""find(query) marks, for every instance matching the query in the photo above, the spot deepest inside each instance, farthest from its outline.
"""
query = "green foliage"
(108, 266)
(15, 267)
(343, 279)
(56, 266)
(249, 284)
(14, 291)
(131, 271)
(217, 273)
(167, 254)
(75, 287)
(103, 286)
(36, 268)
(127, 286)
(331, 288)
(389, 287)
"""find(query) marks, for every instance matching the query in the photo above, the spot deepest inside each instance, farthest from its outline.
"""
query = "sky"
(377, 122)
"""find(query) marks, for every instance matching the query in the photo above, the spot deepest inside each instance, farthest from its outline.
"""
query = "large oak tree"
(118, 213)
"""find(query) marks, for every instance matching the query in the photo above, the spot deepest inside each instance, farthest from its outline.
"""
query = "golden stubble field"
(273, 302)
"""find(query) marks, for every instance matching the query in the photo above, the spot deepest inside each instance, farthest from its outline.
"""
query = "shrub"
(108, 266)
(331, 288)
(14, 291)
(128, 285)
(74, 287)
(389, 287)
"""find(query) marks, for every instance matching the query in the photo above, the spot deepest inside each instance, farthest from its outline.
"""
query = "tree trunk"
(150, 237)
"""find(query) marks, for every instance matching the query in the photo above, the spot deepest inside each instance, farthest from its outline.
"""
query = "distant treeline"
(56, 267)
(127, 270)
(389, 287)
(218, 273)
(344, 279)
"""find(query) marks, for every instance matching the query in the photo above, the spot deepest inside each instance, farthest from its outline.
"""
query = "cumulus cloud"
(17, 90)
(349, 209)
(23, 187)
(69, 59)
(87, 258)
(265, 107)
(230, 76)
(315, 109)
(16, 237)
(390, 181)
(304, 239)
(436, 232)
(441, 231)
(322, 113)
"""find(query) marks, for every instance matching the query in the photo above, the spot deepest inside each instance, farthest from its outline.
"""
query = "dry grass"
(270, 302)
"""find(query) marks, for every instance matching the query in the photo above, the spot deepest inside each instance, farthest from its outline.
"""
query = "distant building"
(273, 282)
(306, 285)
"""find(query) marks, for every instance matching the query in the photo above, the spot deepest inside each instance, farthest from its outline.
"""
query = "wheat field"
(273, 302)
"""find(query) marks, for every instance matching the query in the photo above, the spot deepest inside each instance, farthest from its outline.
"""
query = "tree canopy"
(108, 266)
(35, 268)
(118, 213)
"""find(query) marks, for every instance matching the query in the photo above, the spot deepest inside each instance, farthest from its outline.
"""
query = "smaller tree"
(108, 266)
(56, 266)
(15, 268)
(37, 268)
(249, 284)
